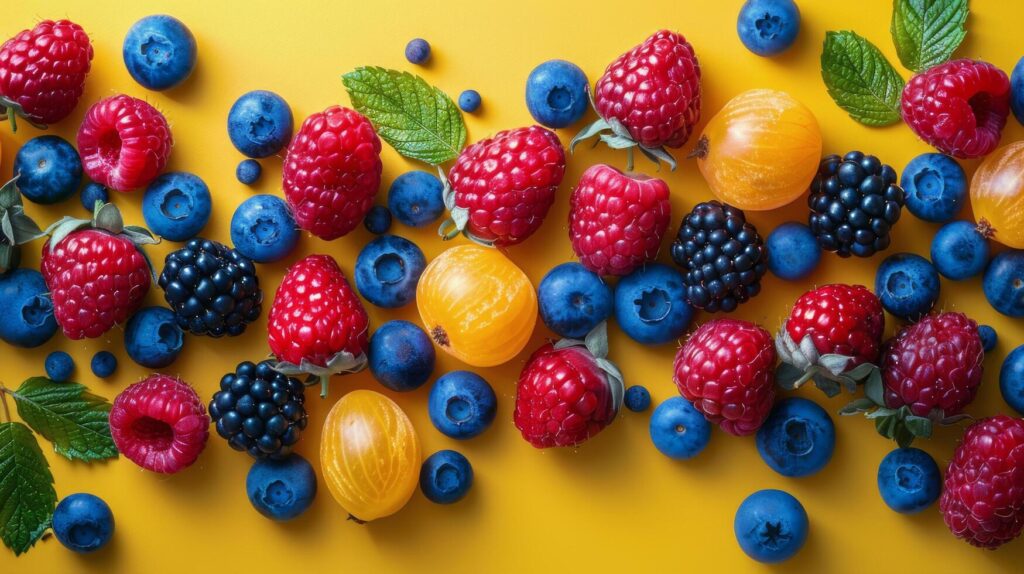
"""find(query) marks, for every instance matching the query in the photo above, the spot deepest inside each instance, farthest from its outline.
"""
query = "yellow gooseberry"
(997, 195)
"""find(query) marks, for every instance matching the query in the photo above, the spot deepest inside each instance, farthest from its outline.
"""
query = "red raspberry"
(568, 392)
(43, 70)
(983, 497)
(617, 220)
(317, 324)
(726, 370)
(96, 274)
(959, 107)
(332, 172)
(160, 424)
(124, 143)
(502, 187)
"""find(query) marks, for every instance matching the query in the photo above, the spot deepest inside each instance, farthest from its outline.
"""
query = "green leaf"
(860, 79)
(418, 120)
(927, 32)
(27, 497)
(67, 414)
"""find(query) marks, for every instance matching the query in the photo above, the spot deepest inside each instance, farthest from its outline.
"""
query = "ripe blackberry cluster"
(854, 203)
(212, 289)
(723, 256)
(259, 410)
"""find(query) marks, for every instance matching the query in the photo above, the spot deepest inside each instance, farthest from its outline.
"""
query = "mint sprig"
(927, 32)
(69, 416)
(860, 79)
(27, 497)
(420, 121)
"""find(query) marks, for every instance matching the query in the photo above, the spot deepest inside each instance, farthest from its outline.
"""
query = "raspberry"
(726, 370)
(124, 143)
(959, 107)
(160, 424)
(617, 220)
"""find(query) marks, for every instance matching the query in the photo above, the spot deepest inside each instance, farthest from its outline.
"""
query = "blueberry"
(91, 193)
(26, 310)
(1011, 379)
(281, 489)
(768, 27)
(48, 169)
(909, 480)
(83, 522)
(103, 364)
(248, 171)
(416, 199)
(771, 526)
(573, 300)
(445, 477)
(401, 356)
(989, 338)
(935, 186)
(637, 399)
(650, 305)
(793, 251)
(1017, 90)
(378, 220)
(907, 285)
(462, 405)
(260, 123)
(159, 52)
(959, 251)
(469, 101)
(59, 366)
(176, 206)
(556, 93)
(1004, 283)
(679, 430)
(417, 51)
(152, 337)
(387, 271)
(797, 438)
(263, 229)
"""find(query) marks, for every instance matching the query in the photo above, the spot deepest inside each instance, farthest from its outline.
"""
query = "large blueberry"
(909, 480)
(934, 186)
(1011, 379)
(798, 438)
(26, 310)
(679, 430)
(177, 206)
(416, 199)
(281, 489)
(1004, 283)
(573, 300)
(907, 285)
(153, 338)
(1017, 90)
(83, 522)
(260, 123)
(768, 27)
(387, 271)
(445, 477)
(462, 405)
(771, 526)
(159, 52)
(401, 356)
(263, 229)
(556, 93)
(793, 251)
(959, 251)
(650, 304)
(48, 169)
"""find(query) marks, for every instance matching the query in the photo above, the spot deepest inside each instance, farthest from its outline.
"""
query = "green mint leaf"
(860, 79)
(927, 32)
(418, 120)
(27, 497)
(68, 415)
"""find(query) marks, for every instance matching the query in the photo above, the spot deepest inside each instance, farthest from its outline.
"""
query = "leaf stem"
(3, 399)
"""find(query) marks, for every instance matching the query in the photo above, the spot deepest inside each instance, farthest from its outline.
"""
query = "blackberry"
(259, 410)
(723, 256)
(212, 289)
(854, 203)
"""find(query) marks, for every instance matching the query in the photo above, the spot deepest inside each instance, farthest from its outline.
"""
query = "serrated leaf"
(860, 79)
(27, 497)
(927, 32)
(418, 120)
(67, 414)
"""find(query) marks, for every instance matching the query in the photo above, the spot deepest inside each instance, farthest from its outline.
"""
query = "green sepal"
(13, 111)
(458, 217)
(620, 138)
(343, 362)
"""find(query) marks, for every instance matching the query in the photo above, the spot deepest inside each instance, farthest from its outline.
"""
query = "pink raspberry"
(124, 143)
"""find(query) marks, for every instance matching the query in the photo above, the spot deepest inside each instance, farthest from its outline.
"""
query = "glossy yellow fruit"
(477, 305)
(370, 455)
(760, 151)
(997, 195)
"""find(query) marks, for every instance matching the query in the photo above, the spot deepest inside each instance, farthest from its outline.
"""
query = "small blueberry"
(907, 285)
(103, 364)
(988, 336)
(469, 101)
(461, 404)
(59, 366)
(281, 489)
(417, 51)
(679, 430)
(263, 229)
(793, 251)
(637, 399)
(176, 206)
(248, 171)
(446, 477)
(401, 356)
(83, 522)
(91, 193)
(378, 220)
(1017, 90)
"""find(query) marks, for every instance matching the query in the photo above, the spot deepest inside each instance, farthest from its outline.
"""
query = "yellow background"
(613, 504)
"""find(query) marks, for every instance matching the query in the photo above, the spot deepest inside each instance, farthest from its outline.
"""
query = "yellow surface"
(614, 503)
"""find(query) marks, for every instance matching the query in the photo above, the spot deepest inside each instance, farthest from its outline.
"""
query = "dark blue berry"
(637, 399)
(469, 101)
(159, 52)
(988, 336)
(248, 171)
(417, 51)
(103, 364)
(59, 366)
(91, 193)
(378, 220)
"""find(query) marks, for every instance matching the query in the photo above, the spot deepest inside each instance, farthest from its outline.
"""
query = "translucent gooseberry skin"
(760, 151)
(370, 455)
(997, 195)
(477, 305)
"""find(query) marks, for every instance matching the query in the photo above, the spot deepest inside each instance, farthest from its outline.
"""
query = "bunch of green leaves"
(67, 415)
(863, 82)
